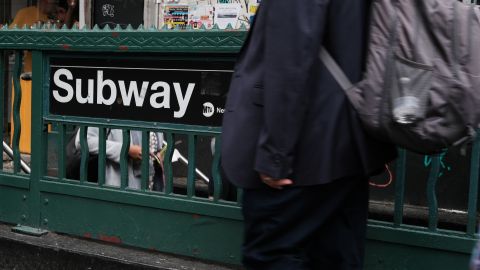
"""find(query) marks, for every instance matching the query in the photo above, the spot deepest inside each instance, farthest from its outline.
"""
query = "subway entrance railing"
(174, 83)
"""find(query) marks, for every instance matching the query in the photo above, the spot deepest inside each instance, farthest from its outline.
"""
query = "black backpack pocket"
(410, 84)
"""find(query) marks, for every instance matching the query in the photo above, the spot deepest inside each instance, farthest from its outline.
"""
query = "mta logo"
(208, 109)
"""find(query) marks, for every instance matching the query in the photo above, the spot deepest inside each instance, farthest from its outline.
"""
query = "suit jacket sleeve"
(293, 36)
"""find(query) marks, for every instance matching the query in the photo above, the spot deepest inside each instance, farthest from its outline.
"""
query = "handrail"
(9, 152)
(177, 156)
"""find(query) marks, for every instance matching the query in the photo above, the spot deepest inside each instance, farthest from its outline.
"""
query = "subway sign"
(191, 92)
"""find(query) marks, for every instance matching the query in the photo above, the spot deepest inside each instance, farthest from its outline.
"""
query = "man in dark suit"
(292, 141)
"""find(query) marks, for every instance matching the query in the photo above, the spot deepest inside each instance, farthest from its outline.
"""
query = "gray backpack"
(423, 70)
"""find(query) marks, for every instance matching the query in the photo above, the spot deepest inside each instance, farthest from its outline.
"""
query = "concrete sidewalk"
(54, 251)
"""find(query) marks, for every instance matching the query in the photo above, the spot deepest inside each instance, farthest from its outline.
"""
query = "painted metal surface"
(123, 40)
(185, 224)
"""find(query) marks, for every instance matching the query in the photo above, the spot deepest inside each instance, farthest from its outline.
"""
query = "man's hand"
(135, 152)
(275, 183)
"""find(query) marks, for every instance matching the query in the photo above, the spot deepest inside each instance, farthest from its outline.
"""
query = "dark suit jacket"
(285, 115)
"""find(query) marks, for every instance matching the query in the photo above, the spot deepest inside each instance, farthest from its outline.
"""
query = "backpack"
(422, 71)
(74, 157)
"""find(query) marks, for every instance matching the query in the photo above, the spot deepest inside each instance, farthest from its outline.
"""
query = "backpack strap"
(335, 70)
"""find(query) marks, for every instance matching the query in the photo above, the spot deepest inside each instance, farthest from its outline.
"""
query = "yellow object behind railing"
(25, 117)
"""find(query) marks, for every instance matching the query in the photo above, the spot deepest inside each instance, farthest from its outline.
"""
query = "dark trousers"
(158, 176)
(315, 227)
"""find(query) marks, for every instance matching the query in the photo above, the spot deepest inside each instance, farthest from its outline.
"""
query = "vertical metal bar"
(17, 99)
(2, 98)
(102, 148)
(168, 163)
(61, 144)
(85, 154)
(239, 196)
(145, 160)
(192, 145)
(124, 159)
(431, 194)
(400, 186)
(39, 148)
(473, 188)
(217, 178)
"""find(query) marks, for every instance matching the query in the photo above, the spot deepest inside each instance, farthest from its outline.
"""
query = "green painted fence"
(183, 223)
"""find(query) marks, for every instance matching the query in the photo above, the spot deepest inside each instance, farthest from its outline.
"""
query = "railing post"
(61, 150)
(473, 188)
(2, 96)
(192, 142)
(39, 146)
(217, 178)
(432, 194)
(145, 167)
(124, 159)
(400, 187)
(102, 147)
(85, 154)
(168, 163)
(17, 99)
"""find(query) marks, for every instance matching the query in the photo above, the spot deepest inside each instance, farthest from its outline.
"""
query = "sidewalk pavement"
(54, 251)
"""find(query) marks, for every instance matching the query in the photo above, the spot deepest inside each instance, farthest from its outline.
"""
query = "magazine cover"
(175, 15)
(200, 15)
(227, 14)
(252, 10)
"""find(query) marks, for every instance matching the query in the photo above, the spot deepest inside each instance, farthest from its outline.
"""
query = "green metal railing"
(185, 224)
